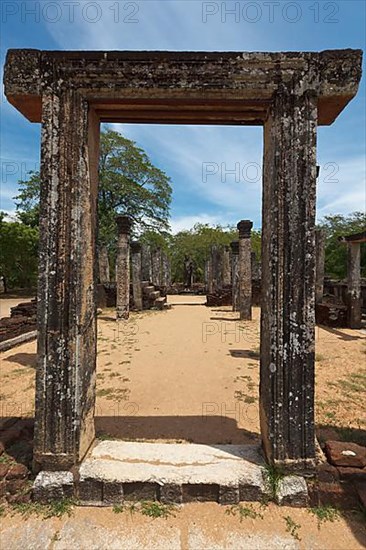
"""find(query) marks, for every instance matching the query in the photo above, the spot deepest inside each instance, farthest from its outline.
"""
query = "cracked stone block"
(171, 493)
(113, 493)
(229, 494)
(292, 491)
(140, 490)
(248, 492)
(200, 492)
(90, 491)
(50, 486)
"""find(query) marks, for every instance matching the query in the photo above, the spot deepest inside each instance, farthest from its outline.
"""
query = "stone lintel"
(201, 82)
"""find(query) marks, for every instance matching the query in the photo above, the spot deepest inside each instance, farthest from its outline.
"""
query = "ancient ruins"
(289, 94)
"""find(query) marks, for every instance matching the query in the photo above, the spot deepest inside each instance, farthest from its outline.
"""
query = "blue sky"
(188, 153)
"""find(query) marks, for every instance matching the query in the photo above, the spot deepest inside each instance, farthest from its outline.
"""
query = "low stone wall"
(16, 454)
(23, 318)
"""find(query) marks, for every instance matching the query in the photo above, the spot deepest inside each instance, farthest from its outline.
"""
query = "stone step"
(160, 302)
(145, 284)
(148, 289)
(154, 295)
(118, 471)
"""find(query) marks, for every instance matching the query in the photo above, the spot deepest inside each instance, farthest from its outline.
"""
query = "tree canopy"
(129, 184)
(336, 226)
(18, 253)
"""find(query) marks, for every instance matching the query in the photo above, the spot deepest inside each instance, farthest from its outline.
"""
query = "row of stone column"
(232, 266)
(147, 264)
(155, 266)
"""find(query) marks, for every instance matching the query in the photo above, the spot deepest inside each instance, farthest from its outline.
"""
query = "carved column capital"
(244, 228)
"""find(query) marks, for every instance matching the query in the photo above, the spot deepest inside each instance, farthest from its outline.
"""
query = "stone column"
(320, 262)
(209, 276)
(146, 263)
(288, 280)
(124, 224)
(235, 274)
(156, 267)
(136, 273)
(226, 266)
(354, 284)
(65, 376)
(103, 262)
(165, 271)
(256, 272)
(216, 256)
(245, 269)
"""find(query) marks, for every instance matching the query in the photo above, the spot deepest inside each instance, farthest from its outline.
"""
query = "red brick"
(339, 495)
(17, 471)
(21, 498)
(3, 470)
(335, 449)
(328, 473)
(352, 474)
(361, 492)
(16, 485)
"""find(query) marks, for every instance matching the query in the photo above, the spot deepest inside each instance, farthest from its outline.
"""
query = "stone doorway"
(71, 93)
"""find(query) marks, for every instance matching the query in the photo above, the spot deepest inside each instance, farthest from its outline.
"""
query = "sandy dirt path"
(191, 373)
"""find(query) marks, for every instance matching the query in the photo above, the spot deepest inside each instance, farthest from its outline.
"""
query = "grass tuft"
(325, 513)
(243, 512)
(292, 527)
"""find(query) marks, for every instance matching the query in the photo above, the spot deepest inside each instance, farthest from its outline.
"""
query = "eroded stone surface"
(179, 472)
(292, 491)
(50, 486)
(71, 92)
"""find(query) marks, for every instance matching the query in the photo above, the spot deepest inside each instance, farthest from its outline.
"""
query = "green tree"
(18, 254)
(27, 202)
(197, 242)
(128, 184)
(335, 226)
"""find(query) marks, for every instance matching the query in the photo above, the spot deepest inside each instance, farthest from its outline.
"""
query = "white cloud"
(201, 161)
(342, 187)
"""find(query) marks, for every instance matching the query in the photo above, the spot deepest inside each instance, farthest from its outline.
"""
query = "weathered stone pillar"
(288, 279)
(209, 276)
(156, 267)
(320, 263)
(136, 273)
(65, 377)
(235, 274)
(354, 284)
(103, 263)
(146, 263)
(256, 269)
(226, 266)
(216, 259)
(245, 269)
(165, 270)
(124, 224)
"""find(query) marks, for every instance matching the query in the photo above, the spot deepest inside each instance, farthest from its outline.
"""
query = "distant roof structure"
(354, 238)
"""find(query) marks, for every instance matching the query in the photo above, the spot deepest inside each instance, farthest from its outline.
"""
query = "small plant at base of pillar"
(292, 527)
